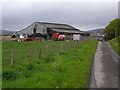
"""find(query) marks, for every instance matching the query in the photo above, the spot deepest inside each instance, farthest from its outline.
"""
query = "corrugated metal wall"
(30, 29)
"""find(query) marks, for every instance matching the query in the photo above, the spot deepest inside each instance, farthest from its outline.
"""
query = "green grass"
(66, 67)
(0, 65)
(115, 43)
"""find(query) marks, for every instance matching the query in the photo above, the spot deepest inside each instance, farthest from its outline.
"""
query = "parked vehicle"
(34, 37)
(100, 37)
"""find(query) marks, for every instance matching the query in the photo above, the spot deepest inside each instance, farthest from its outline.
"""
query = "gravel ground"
(104, 73)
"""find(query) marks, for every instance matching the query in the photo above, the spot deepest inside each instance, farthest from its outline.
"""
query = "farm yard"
(48, 64)
(59, 45)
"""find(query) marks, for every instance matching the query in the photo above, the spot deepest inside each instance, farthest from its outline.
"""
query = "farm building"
(45, 28)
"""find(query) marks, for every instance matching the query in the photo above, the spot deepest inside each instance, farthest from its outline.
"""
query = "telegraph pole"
(116, 28)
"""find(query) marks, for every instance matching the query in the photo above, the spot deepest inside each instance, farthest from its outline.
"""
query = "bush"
(10, 75)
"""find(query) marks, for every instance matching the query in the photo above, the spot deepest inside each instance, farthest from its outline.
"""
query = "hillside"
(6, 32)
(94, 31)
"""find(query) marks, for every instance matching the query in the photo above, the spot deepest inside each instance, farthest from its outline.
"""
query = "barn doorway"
(34, 30)
(49, 33)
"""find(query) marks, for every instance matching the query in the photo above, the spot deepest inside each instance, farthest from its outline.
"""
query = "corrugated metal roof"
(68, 31)
(65, 28)
(55, 24)
(51, 25)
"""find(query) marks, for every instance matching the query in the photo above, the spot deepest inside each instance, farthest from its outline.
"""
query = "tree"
(113, 29)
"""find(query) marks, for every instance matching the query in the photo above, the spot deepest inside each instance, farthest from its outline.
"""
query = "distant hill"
(95, 31)
(6, 32)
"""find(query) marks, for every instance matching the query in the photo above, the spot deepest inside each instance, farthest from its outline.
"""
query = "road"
(104, 72)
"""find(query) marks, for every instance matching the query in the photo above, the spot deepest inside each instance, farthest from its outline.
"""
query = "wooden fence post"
(12, 57)
(40, 53)
(46, 50)
(53, 46)
(70, 44)
(61, 47)
(30, 54)
(77, 43)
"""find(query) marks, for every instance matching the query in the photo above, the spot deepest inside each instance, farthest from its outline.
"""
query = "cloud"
(84, 15)
(0, 15)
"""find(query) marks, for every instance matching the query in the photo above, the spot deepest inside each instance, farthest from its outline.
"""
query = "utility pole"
(115, 28)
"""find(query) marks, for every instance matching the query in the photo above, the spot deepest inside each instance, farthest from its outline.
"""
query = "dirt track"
(105, 67)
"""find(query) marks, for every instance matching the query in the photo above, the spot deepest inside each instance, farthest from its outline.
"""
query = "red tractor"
(57, 36)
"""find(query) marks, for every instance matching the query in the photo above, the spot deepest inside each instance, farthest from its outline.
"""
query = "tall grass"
(0, 65)
(56, 67)
(115, 44)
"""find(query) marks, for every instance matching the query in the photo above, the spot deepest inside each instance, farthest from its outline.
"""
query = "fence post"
(53, 46)
(61, 47)
(12, 57)
(30, 54)
(46, 50)
(71, 44)
(40, 53)
(77, 43)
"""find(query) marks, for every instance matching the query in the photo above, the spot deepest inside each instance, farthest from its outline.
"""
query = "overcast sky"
(83, 15)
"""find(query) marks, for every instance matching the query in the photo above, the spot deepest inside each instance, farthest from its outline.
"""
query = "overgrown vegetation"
(115, 43)
(51, 65)
(113, 29)
(112, 32)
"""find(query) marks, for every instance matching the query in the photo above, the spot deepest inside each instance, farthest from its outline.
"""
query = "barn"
(45, 28)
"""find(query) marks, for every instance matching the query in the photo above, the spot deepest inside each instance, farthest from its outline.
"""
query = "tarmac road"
(104, 73)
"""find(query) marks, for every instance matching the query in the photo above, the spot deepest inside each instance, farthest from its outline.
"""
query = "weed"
(55, 68)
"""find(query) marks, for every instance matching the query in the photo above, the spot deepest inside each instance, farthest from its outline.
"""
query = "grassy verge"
(115, 44)
(0, 65)
(69, 68)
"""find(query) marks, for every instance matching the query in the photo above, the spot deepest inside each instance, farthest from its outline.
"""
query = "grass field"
(61, 64)
(0, 65)
(115, 43)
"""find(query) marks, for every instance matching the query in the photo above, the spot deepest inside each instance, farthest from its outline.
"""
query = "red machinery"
(57, 36)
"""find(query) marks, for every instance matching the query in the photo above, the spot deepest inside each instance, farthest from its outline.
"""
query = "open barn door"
(34, 29)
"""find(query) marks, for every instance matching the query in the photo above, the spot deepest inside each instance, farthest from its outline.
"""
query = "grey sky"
(83, 15)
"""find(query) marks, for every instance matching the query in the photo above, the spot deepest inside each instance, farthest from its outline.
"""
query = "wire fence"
(43, 51)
